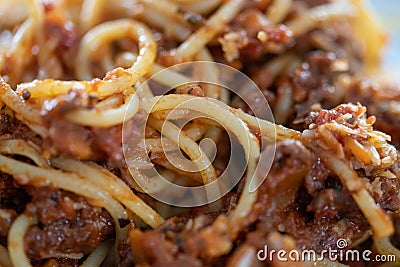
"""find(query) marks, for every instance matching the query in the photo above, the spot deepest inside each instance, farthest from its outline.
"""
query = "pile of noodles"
(33, 74)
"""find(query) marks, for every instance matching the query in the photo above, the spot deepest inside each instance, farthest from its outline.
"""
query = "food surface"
(124, 125)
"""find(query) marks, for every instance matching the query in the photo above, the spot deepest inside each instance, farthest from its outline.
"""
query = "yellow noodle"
(97, 257)
(284, 103)
(313, 17)
(30, 54)
(113, 30)
(108, 117)
(22, 148)
(269, 129)
(214, 25)
(16, 242)
(379, 220)
(170, 9)
(20, 49)
(199, 6)
(8, 96)
(158, 145)
(190, 147)
(210, 73)
(385, 247)
(159, 19)
(278, 10)
(113, 185)
(116, 80)
(90, 14)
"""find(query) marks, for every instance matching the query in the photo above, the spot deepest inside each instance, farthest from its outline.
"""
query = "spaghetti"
(81, 77)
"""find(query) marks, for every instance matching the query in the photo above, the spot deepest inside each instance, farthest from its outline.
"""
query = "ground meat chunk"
(195, 243)
(85, 143)
(389, 191)
(318, 220)
(11, 195)
(55, 262)
(291, 164)
(125, 254)
(13, 128)
(250, 34)
(313, 228)
(12, 201)
(315, 179)
(382, 101)
(67, 224)
(311, 85)
(196, 238)
(312, 82)
(64, 136)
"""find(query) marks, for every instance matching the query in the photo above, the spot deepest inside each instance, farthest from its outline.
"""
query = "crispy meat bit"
(64, 136)
(68, 224)
(197, 238)
(85, 143)
(312, 83)
(12, 196)
(250, 35)
(13, 128)
(382, 101)
(12, 202)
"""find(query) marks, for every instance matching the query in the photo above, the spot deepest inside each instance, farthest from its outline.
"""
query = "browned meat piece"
(109, 141)
(311, 85)
(64, 136)
(323, 204)
(330, 215)
(195, 238)
(125, 254)
(250, 34)
(67, 224)
(291, 163)
(315, 119)
(12, 201)
(197, 244)
(382, 101)
(387, 197)
(62, 39)
(322, 233)
(11, 195)
(55, 263)
(13, 128)
(62, 35)
(312, 82)
(315, 179)
(86, 143)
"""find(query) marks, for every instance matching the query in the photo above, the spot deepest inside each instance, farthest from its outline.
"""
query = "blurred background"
(387, 12)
